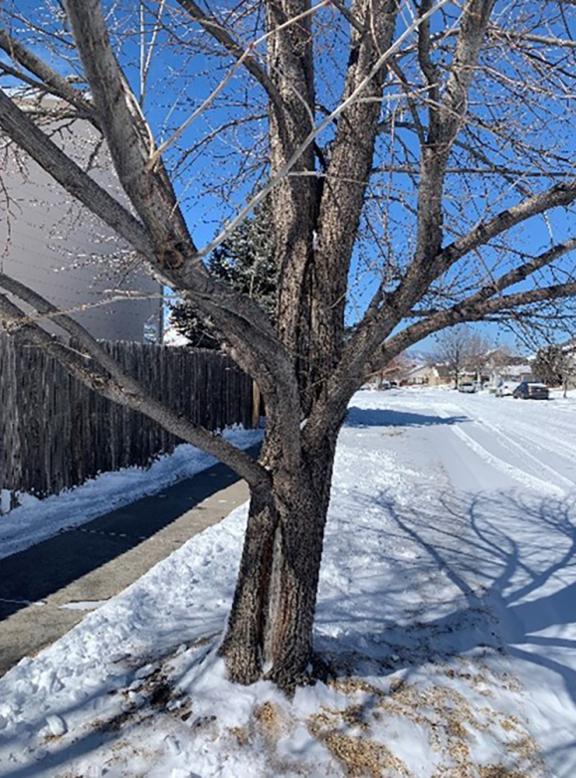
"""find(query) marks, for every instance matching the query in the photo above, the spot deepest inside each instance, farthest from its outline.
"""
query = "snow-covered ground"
(35, 520)
(446, 610)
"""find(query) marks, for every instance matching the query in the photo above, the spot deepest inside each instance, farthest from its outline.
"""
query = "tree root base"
(288, 680)
(243, 665)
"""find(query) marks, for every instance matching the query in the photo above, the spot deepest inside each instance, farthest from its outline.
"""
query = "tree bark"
(270, 629)
(243, 643)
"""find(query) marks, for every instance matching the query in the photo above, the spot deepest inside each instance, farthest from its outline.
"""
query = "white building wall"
(56, 246)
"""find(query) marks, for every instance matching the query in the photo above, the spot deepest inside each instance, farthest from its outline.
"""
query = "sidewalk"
(48, 588)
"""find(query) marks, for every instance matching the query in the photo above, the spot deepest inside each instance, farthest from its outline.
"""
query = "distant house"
(500, 356)
(427, 375)
(502, 367)
(509, 374)
(53, 244)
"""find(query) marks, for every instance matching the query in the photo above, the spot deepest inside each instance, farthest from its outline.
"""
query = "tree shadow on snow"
(493, 571)
(115, 723)
(378, 417)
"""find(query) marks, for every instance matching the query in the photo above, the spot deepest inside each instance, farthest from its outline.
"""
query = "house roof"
(419, 369)
(514, 370)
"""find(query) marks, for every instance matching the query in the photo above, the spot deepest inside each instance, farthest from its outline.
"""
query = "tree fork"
(270, 629)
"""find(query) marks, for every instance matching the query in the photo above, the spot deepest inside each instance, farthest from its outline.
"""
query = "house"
(510, 374)
(53, 244)
(427, 375)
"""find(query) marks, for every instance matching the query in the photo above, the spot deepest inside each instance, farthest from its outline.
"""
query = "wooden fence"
(55, 433)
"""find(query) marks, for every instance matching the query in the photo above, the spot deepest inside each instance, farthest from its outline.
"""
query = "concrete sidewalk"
(48, 588)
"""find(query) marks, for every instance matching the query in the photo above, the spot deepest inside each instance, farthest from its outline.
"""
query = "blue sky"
(173, 96)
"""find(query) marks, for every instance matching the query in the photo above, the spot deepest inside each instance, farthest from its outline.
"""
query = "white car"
(506, 389)
(467, 387)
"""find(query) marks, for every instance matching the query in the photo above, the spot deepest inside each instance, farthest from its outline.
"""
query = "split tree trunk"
(271, 622)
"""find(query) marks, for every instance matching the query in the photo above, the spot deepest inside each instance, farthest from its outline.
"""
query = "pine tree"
(247, 262)
(551, 365)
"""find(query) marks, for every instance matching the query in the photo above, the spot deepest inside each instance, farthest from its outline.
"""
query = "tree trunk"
(271, 622)
(242, 645)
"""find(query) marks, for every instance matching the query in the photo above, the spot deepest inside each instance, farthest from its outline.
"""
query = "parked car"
(467, 387)
(531, 390)
(506, 389)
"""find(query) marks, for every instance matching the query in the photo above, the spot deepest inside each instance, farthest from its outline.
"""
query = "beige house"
(427, 375)
(56, 246)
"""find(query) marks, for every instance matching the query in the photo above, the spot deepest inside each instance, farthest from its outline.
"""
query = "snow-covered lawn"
(35, 520)
(446, 611)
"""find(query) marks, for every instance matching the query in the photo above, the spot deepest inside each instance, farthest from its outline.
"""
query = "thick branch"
(399, 303)
(466, 311)
(427, 67)
(151, 193)
(560, 195)
(499, 33)
(522, 272)
(127, 134)
(446, 118)
(52, 80)
(343, 194)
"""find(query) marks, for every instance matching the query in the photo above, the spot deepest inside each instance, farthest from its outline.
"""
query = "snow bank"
(36, 520)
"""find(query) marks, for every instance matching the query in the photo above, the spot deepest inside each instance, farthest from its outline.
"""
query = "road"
(507, 442)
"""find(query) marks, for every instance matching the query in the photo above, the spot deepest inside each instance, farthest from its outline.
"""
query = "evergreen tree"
(247, 262)
(551, 365)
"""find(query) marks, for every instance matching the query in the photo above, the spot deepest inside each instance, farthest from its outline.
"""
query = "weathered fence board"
(55, 433)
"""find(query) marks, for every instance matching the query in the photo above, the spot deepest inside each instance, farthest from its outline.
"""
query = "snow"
(174, 338)
(56, 725)
(445, 611)
(35, 520)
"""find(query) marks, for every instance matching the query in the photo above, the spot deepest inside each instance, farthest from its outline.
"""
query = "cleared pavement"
(48, 588)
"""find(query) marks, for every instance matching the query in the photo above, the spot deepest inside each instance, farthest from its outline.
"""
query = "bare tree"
(412, 152)
(461, 350)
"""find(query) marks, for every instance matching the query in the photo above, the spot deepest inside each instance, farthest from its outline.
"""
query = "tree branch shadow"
(507, 566)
